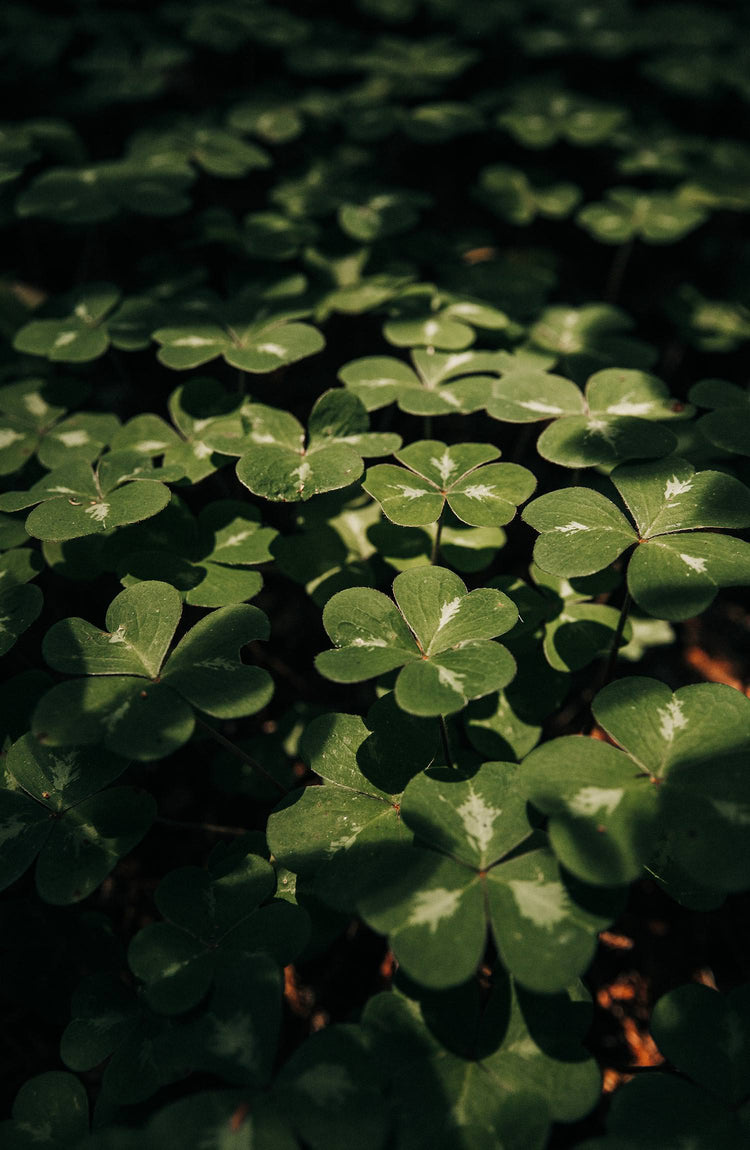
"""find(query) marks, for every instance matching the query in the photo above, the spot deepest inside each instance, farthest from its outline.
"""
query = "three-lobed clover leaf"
(468, 876)
(32, 422)
(193, 406)
(542, 115)
(613, 420)
(478, 492)
(590, 337)
(133, 695)
(207, 559)
(509, 193)
(676, 568)
(727, 424)
(531, 1067)
(55, 806)
(675, 795)
(437, 383)
(630, 213)
(422, 316)
(77, 331)
(282, 464)
(100, 191)
(440, 635)
(247, 332)
(211, 916)
(77, 500)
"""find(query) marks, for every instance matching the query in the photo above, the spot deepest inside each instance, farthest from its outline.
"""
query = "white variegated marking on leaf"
(63, 491)
(545, 904)
(694, 562)
(64, 338)
(674, 487)
(262, 437)
(147, 445)
(449, 397)
(118, 636)
(194, 341)
(478, 819)
(201, 450)
(344, 841)
(200, 425)
(407, 491)
(627, 406)
(538, 406)
(603, 429)
(431, 328)
(451, 679)
(234, 1038)
(590, 800)
(671, 719)
(444, 466)
(430, 907)
(35, 405)
(8, 436)
(272, 349)
(11, 829)
(328, 1084)
(572, 528)
(370, 641)
(97, 511)
(112, 718)
(736, 813)
(236, 539)
(303, 473)
(76, 438)
(89, 176)
(218, 663)
(82, 312)
(479, 491)
(448, 611)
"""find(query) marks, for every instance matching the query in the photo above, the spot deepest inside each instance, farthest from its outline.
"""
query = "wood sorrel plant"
(350, 719)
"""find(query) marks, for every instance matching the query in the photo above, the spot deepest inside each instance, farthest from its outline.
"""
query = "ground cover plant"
(374, 447)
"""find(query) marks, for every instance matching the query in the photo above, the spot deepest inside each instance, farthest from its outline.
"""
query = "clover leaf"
(678, 777)
(727, 424)
(590, 337)
(509, 193)
(55, 807)
(193, 406)
(541, 115)
(423, 317)
(245, 332)
(434, 474)
(382, 214)
(52, 1107)
(211, 915)
(134, 695)
(77, 500)
(20, 603)
(531, 1071)
(341, 838)
(676, 569)
(32, 417)
(576, 631)
(429, 387)
(629, 213)
(205, 559)
(76, 331)
(278, 464)
(605, 425)
(437, 910)
(440, 635)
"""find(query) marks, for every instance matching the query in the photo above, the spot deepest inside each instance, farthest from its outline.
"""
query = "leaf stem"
(233, 749)
(612, 658)
(617, 270)
(209, 828)
(436, 541)
(445, 741)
